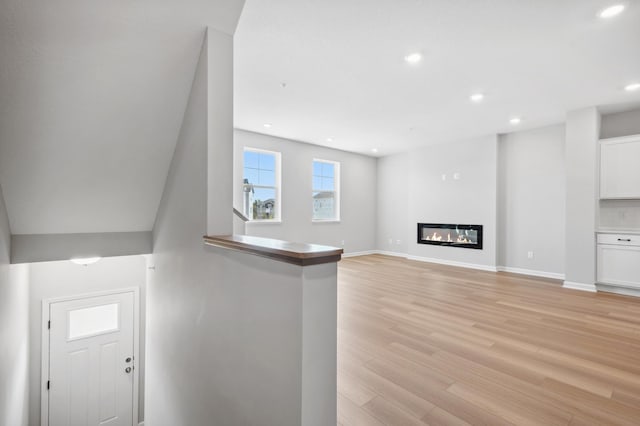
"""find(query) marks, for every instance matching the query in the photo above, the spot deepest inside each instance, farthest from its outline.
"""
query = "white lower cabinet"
(619, 260)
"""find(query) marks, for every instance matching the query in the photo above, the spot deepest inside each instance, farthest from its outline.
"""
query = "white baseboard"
(453, 263)
(619, 290)
(391, 253)
(580, 286)
(489, 268)
(359, 253)
(531, 272)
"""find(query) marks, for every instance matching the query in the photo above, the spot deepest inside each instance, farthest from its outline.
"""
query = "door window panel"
(93, 321)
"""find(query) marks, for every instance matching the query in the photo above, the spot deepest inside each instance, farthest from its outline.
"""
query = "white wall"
(393, 203)
(14, 326)
(413, 185)
(58, 279)
(358, 194)
(620, 124)
(531, 200)
(468, 200)
(224, 335)
(581, 148)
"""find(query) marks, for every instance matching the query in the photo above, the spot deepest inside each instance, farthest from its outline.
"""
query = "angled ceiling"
(91, 101)
(346, 79)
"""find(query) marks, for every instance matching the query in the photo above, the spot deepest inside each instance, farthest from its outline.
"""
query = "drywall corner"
(218, 54)
(14, 332)
(392, 203)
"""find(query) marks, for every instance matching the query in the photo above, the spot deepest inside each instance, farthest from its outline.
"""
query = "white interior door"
(91, 365)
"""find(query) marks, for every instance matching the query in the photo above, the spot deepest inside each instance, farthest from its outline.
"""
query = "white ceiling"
(342, 62)
(92, 93)
(91, 100)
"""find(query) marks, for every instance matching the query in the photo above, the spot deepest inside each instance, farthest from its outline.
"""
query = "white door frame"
(44, 392)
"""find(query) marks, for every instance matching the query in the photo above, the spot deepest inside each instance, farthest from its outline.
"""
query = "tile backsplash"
(623, 214)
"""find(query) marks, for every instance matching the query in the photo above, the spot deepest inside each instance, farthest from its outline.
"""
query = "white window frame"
(278, 204)
(336, 190)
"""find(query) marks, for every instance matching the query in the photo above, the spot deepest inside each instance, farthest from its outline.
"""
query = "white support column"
(583, 132)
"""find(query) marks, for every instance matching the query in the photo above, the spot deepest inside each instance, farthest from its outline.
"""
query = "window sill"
(265, 222)
(325, 221)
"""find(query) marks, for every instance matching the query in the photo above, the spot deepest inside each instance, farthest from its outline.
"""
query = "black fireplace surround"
(452, 235)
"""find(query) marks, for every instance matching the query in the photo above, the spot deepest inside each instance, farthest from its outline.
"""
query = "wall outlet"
(398, 242)
(390, 240)
(529, 255)
(342, 242)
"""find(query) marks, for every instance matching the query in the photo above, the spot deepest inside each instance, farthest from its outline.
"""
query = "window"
(92, 321)
(261, 185)
(326, 190)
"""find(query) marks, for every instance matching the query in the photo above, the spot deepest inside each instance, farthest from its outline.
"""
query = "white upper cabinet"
(620, 168)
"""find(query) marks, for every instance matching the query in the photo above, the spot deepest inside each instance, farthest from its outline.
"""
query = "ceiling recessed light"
(515, 121)
(267, 125)
(413, 58)
(476, 97)
(85, 260)
(632, 87)
(374, 150)
(329, 140)
(611, 11)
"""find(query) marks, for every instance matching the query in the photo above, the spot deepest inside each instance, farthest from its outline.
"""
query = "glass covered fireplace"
(441, 234)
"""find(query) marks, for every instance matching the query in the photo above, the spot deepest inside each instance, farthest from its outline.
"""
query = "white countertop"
(618, 231)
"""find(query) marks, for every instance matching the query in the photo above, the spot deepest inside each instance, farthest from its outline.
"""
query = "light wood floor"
(420, 343)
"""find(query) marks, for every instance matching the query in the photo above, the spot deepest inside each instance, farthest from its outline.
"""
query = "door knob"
(127, 370)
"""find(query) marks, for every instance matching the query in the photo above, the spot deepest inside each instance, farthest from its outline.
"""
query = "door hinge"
(49, 325)
(48, 384)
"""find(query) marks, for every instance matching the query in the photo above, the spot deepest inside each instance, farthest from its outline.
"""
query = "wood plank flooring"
(421, 343)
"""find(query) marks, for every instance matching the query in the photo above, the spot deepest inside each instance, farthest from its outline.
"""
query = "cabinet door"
(619, 265)
(620, 168)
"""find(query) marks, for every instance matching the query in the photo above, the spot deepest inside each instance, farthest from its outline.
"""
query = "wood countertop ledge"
(283, 251)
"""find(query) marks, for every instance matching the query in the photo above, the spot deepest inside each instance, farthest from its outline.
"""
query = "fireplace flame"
(460, 238)
(434, 237)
